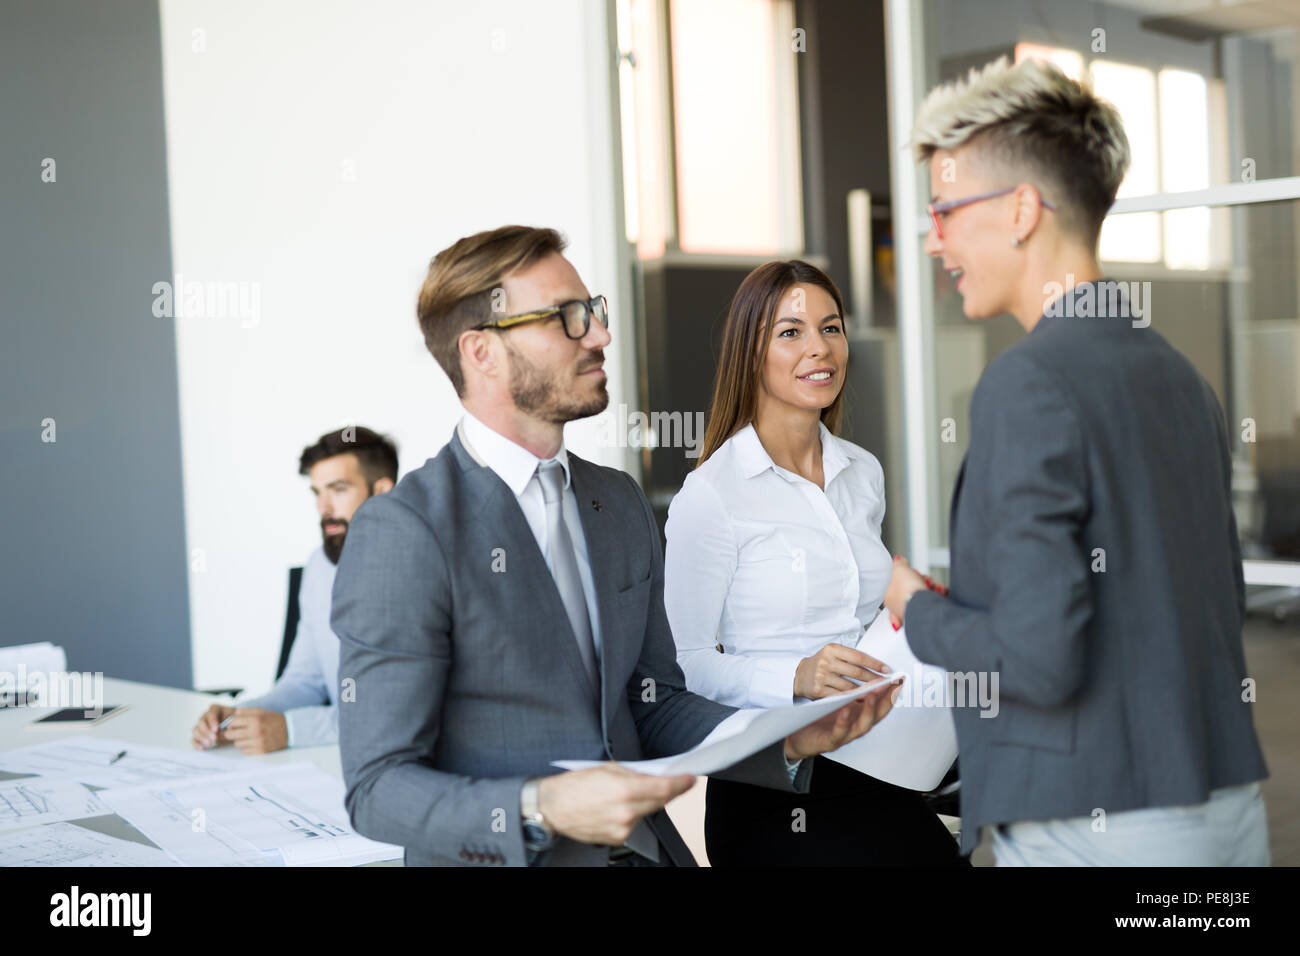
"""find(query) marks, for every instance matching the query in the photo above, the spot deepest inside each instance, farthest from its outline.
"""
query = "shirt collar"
(754, 459)
(514, 464)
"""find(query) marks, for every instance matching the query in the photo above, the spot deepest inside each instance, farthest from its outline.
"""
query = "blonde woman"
(1095, 562)
(773, 567)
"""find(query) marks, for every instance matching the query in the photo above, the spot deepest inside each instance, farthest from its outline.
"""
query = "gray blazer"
(1094, 444)
(467, 675)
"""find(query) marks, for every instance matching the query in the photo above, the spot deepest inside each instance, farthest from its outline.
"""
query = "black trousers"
(848, 819)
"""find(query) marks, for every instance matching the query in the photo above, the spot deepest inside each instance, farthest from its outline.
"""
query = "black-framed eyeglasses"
(576, 314)
(945, 206)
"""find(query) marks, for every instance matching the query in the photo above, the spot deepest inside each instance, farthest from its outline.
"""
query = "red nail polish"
(893, 625)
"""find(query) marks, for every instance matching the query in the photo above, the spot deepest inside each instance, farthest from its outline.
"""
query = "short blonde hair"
(457, 292)
(1031, 120)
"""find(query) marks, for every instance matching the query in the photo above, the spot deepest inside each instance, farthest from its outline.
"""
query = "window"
(1167, 117)
(718, 172)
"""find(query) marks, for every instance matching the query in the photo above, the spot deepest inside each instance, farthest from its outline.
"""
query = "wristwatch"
(538, 835)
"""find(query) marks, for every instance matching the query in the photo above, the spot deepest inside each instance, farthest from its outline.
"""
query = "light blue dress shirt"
(307, 692)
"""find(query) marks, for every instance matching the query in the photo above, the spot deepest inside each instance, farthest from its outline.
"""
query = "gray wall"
(93, 554)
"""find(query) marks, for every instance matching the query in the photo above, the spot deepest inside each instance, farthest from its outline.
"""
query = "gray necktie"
(564, 568)
(564, 564)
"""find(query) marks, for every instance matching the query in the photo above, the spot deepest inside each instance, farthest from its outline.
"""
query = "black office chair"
(290, 620)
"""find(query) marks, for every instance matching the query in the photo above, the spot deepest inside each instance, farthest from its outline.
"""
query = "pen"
(225, 723)
(120, 755)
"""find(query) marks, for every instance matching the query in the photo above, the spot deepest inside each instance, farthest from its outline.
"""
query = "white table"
(164, 717)
(156, 716)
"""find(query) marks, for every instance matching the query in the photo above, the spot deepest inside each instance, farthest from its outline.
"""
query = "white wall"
(449, 118)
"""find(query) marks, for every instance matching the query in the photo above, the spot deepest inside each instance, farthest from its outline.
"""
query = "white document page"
(35, 800)
(741, 735)
(916, 744)
(66, 844)
(95, 760)
(289, 815)
(43, 656)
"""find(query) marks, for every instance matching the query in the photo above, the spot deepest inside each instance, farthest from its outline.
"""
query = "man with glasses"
(502, 607)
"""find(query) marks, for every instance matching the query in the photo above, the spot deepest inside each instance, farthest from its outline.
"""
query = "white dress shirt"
(307, 693)
(515, 465)
(773, 568)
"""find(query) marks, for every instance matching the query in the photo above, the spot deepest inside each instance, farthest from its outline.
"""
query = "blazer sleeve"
(1030, 468)
(675, 719)
(392, 612)
(1225, 455)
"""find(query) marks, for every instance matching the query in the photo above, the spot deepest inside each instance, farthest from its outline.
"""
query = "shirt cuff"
(772, 683)
(792, 768)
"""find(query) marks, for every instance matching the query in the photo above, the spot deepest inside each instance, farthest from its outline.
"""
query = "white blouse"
(764, 563)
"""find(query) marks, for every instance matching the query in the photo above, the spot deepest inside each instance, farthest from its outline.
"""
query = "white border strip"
(902, 64)
(1229, 194)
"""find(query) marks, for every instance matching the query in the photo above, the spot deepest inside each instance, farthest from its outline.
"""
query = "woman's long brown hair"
(740, 367)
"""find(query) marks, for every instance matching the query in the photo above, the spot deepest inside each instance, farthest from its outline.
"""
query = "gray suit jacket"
(468, 677)
(1094, 441)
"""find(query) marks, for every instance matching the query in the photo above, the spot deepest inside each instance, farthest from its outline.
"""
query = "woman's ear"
(1027, 209)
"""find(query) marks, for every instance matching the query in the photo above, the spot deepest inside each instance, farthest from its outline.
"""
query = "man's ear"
(477, 352)
(382, 486)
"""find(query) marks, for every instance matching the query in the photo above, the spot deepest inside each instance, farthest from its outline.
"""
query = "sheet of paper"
(736, 738)
(91, 760)
(917, 743)
(33, 800)
(66, 844)
(288, 815)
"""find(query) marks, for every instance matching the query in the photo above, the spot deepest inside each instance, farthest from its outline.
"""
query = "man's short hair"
(376, 454)
(458, 291)
(1033, 122)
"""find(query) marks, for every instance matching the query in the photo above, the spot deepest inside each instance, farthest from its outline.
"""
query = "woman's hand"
(827, 671)
(903, 583)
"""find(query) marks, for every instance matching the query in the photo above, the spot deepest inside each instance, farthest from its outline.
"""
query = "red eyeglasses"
(945, 206)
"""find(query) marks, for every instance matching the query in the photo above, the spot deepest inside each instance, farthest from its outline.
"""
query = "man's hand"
(903, 583)
(603, 804)
(848, 723)
(205, 733)
(258, 731)
(827, 671)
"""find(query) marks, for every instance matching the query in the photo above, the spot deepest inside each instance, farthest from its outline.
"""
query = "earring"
(1016, 241)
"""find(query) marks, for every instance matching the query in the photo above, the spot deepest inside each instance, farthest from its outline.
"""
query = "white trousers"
(1229, 829)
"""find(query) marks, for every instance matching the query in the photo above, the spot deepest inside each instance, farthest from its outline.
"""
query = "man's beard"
(540, 393)
(333, 543)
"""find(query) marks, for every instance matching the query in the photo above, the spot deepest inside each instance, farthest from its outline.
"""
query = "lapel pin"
(595, 504)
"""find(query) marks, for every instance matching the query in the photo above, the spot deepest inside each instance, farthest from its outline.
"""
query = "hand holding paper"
(809, 728)
(919, 744)
(600, 802)
(847, 723)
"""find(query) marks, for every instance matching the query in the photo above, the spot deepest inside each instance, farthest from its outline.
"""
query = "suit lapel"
(952, 512)
(598, 529)
(492, 498)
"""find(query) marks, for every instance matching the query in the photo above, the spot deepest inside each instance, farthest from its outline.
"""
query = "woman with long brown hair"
(775, 565)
